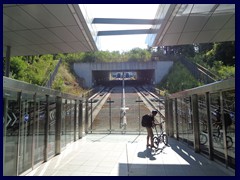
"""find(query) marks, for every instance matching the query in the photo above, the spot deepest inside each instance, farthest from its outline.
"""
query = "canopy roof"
(31, 29)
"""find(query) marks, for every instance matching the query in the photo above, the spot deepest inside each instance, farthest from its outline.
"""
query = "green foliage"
(212, 52)
(135, 54)
(222, 71)
(138, 54)
(66, 82)
(178, 79)
(34, 71)
(18, 68)
(220, 59)
(225, 52)
(58, 84)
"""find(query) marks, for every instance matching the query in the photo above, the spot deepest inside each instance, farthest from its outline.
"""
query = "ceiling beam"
(125, 32)
(124, 21)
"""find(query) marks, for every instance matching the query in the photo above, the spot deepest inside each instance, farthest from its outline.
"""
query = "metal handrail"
(53, 75)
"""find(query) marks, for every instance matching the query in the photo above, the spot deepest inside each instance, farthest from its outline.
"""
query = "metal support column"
(45, 152)
(5, 111)
(139, 116)
(80, 119)
(86, 117)
(176, 118)
(58, 125)
(209, 122)
(91, 114)
(19, 101)
(110, 113)
(75, 121)
(170, 117)
(7, 63)
(166, 115)
(34, 128)
(224, 130)
(195, 123)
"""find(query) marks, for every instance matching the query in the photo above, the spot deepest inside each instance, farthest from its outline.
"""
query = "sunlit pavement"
(127, 155)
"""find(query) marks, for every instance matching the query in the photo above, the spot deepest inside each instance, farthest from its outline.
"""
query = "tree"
(225, 52)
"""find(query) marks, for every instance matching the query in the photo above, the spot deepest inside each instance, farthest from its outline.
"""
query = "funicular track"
(114, 112)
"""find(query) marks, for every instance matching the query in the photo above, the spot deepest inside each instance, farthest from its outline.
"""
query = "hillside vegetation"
(178, 79)
(219, 58)
(66, 82)
(32, 69)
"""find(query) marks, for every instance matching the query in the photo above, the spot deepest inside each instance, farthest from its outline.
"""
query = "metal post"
(195, 123)
(34, 128)
(19, 101)
(5, 110)
(110, 117)
(110, 114)
(209, 122)
(176, 118)
(170, 117)
(75, 120)
(86, 117)
(139, 117)
(45, 153)
(91, 115)
(7, 63)
(160, 107)
(80, 122)
(224, 130)
(58, 125)
(166, 115)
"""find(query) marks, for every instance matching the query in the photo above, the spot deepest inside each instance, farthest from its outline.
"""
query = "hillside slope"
(65, 81)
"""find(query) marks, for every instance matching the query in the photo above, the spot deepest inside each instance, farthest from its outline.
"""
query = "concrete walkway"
(127, 155)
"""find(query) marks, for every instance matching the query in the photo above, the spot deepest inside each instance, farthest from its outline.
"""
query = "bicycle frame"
(161, 136)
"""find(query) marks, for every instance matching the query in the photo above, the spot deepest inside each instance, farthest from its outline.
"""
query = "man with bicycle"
(150, 122)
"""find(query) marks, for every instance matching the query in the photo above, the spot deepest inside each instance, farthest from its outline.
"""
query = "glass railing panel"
(40, 128)
(11, 131)
(203, 124)
(26, 132)
(51, 125)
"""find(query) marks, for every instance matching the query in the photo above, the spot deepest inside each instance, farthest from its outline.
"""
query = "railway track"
(120, 109)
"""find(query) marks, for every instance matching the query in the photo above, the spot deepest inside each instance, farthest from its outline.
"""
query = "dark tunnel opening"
(115, 78)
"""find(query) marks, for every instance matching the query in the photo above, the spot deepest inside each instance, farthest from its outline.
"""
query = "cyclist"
(149, 129)
(218, 122)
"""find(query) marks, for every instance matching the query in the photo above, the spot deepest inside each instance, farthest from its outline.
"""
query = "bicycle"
(160, 137)
(217, 138)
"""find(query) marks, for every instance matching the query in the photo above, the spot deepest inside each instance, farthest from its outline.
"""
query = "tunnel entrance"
(113, 78)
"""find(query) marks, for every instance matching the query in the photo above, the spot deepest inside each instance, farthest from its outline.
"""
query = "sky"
(121, 43)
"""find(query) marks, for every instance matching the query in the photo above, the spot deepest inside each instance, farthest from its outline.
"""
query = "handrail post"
(195, 123)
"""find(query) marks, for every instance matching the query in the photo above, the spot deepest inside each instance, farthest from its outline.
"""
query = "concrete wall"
(162, 68)
(84, 70)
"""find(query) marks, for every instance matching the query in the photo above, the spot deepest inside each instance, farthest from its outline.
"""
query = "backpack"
(228, 119)
(147, 121)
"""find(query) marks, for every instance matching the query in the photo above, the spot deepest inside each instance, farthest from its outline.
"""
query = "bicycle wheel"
(156, 141)
(165, 139)
(203, 139)
(229, 141)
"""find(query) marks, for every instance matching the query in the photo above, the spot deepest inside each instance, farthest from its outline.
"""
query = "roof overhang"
(193, 23)
(32, 29)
